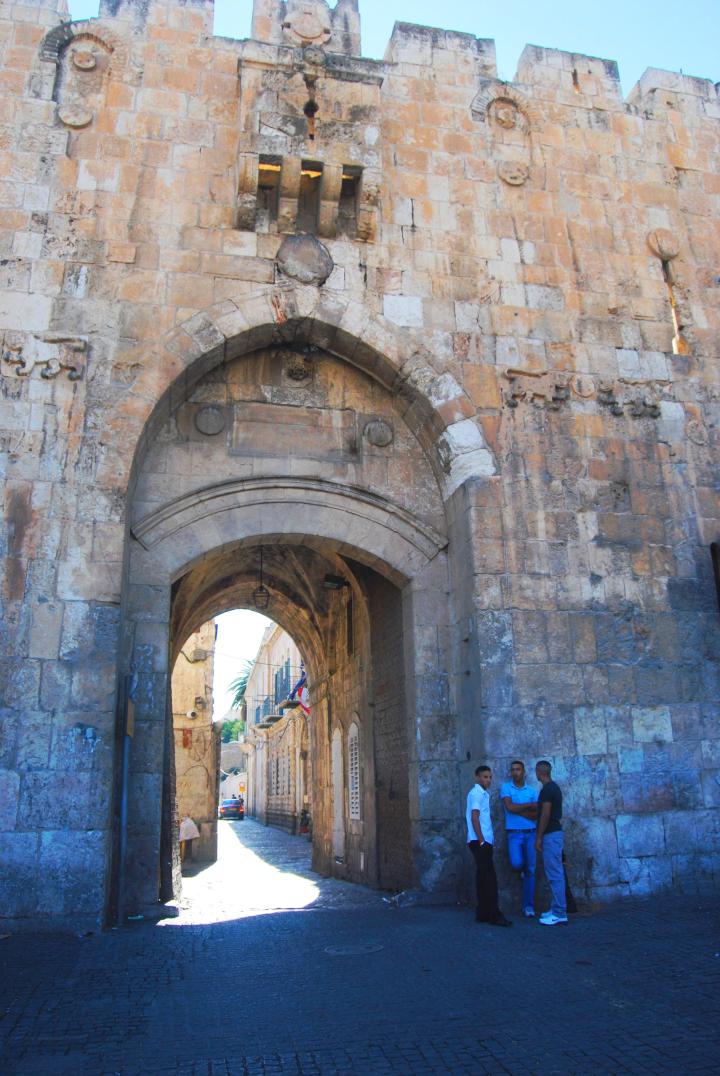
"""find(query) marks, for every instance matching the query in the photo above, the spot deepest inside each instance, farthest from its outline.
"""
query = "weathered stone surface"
(545, 359)
(304, 258)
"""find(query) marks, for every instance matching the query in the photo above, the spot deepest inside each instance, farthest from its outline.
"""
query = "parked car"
(231, 809)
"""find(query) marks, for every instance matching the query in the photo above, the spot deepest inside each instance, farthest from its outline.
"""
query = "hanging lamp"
(261, 594)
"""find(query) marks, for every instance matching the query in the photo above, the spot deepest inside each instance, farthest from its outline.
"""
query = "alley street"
(270, 969)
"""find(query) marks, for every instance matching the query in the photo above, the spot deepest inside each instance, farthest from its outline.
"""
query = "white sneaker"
(545, 915)
(529, 913)
(552, 920)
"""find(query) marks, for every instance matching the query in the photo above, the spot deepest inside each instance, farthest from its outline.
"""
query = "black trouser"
(485, 881)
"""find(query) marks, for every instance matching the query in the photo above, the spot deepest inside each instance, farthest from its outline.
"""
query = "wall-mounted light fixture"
(334, 582)
(261, 594)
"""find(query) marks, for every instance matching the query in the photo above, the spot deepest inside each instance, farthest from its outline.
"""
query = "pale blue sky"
(636, 33)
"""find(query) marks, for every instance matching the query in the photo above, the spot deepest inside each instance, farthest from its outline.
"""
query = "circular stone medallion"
(84, 59)
(210, 421)
(75, 115)
(379, 433)
(515, 173)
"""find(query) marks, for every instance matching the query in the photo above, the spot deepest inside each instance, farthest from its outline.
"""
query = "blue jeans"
(552, 845)
(521, 849)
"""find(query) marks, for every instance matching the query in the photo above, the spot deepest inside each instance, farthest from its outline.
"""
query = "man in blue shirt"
(520, 803)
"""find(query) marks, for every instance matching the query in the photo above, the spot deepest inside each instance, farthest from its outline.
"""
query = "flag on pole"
(301, 693)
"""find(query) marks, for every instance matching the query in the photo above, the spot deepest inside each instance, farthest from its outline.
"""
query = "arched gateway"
(337, 460)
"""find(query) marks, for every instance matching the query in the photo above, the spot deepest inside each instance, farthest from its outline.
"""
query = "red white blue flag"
(301, 693)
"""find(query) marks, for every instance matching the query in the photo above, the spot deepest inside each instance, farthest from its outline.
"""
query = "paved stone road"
(258, 976)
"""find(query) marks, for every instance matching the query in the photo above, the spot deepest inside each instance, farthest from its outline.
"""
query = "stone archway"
(360, 494)
(435, 406)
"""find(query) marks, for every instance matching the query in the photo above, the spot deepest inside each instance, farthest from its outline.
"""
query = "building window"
(354, 772)
(349, 198)
(309, 199)
(268, 193)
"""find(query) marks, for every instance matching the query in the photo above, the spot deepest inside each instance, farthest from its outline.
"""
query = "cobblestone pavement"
(262, 973)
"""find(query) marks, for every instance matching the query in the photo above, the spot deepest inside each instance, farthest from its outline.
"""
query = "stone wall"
(526, 269)
(197, 739)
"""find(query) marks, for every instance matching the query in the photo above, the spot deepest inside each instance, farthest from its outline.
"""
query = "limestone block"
(72, 866)
(144, 802)
(76, 628)
(23, 312)
(82, 741)
(591, 730)
(9, 799)
(437, 789)
(432, 696)
(18, 879)
(631, 760)
(652, 724)
(439, 863)
(681, 834)
(640, 835)
(147, 746)
(19, 684)
(403, 310)
(79, 579)
(647, 875)
(33, 742)
(45, 630)
(69, 801)
(93, 685)
(601, 841)
(711, 788)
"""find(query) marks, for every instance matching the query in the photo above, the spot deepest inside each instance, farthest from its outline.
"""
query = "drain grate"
(353, 950)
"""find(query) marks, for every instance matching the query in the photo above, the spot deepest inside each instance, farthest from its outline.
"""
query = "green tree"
(239, 685)
(230, 730)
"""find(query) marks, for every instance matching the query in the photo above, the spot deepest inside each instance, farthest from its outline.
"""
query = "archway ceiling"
(293, 574)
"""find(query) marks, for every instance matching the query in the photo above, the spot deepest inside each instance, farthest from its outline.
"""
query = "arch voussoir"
(435, 406)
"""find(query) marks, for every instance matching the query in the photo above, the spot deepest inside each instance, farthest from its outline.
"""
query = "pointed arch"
(433, 403)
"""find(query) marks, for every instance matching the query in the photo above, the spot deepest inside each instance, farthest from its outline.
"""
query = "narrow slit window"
(349, 198)
(268, 197)
(309, 199)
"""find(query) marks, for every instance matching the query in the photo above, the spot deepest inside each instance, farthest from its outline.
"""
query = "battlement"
(567, 77)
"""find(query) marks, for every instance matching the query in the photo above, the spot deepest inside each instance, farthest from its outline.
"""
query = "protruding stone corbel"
(642, 401)
(247, 191)
(289, 195)
(329, 200)
(369, 201)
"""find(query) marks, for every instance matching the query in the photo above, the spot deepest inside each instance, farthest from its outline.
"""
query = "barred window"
(354, 771)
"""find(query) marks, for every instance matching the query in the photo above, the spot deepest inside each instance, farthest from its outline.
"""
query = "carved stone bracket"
(552, 389)
(49, 353)
(639, 400)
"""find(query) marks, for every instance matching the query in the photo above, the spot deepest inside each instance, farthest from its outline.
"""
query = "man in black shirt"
(549, 841)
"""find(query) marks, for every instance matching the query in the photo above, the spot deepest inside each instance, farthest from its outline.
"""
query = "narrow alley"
(270, 969)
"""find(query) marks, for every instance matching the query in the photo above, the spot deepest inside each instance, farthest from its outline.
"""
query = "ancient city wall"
(529, 268)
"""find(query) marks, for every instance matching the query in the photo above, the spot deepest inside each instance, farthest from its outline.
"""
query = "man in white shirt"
(480, 841)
